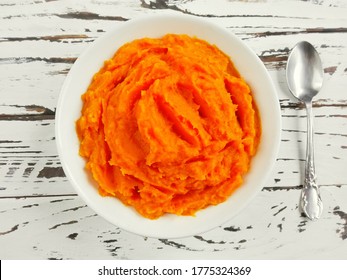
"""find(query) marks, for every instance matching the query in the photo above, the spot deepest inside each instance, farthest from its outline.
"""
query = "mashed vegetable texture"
(168, 126)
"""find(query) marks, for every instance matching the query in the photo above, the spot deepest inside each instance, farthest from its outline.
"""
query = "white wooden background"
(41, 217)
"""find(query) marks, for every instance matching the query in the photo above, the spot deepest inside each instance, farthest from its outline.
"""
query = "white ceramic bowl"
(69, 110)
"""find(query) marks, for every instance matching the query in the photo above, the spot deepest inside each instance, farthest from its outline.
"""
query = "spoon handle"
(311, 202)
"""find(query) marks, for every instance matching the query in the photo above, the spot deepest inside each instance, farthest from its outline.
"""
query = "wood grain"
(49, 227)
(41, 215)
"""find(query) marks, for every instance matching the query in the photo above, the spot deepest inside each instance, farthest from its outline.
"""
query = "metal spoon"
(305, 79)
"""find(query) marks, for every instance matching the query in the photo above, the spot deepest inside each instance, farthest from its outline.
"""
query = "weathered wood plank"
(29, 162)
(35, 82)
(41, 215)
(270, 227)
(29, 159)
(260, 7)
(42, 53)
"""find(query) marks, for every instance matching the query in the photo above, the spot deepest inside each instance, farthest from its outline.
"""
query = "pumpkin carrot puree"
(168, 126)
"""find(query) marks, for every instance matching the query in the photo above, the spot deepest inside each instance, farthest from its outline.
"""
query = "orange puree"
(168, 126)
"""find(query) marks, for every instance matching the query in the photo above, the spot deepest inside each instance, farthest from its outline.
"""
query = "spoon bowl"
(305, 79)
(304, 72)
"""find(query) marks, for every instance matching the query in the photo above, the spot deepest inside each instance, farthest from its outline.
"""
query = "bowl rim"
(173, 226)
